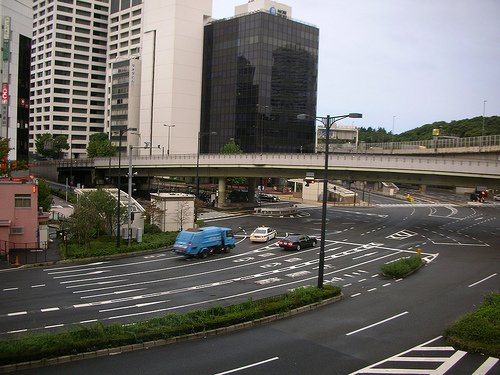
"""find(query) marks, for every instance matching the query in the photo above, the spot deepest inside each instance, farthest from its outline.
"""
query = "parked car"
(497, 197)
(262, 197)
(263, 234)
(297, 241)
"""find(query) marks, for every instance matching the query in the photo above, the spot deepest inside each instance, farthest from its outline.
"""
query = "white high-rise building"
(16, 21)
(155, 60)
(129, 67)
(68, 70)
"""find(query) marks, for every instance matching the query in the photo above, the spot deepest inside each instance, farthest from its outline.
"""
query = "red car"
(296, 241)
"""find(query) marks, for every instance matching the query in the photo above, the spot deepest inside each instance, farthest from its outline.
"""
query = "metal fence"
(19, 253)
(433, 144)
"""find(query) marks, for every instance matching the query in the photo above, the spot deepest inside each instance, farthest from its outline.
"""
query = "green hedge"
(99, 336)
(478, 331)
(106, 245)
(402, 267)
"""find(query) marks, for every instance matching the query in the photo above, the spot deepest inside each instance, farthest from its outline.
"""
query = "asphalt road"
(377, 319)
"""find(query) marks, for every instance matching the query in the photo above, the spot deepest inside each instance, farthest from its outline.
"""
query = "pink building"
(19, 216)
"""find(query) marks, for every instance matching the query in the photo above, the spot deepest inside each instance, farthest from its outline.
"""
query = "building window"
(22, 200)
(17, 230)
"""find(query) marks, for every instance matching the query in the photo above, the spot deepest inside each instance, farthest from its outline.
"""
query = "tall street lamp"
(129, 207)
(168, 139)
(327, 121)
(198, 161)
(118, 220)
(484, 112)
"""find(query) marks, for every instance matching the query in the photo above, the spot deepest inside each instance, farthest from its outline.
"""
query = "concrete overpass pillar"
(423, 188)
(251, 189)
(221, 199)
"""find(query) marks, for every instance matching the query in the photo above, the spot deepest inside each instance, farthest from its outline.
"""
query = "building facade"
(16, 21)
(19, 216)
(154, 73)
(68, 71)
(259, 73)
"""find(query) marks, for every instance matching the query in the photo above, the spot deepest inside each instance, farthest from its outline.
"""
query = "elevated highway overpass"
(396, 168)
(465, 162)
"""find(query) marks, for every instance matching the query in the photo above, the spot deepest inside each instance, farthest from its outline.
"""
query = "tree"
(48, 146)
(95, 213)
(231, 148)
(4, 156)
(100, 146)
(184, 213)
(44, 195)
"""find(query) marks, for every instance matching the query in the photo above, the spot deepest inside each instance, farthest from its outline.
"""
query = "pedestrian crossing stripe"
(429, 365)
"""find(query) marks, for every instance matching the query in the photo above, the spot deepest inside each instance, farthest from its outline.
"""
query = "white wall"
(178, 49)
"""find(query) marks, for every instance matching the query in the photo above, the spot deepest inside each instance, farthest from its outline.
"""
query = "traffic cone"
(17, 261)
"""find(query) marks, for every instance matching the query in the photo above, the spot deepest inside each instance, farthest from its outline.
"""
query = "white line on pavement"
(480, 281)
(376, 324)
(248, 366)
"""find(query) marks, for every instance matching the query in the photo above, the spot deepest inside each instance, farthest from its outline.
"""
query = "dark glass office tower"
(259, 72)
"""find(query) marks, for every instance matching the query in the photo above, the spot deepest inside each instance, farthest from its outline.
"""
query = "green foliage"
(478, 331)
(151, 229)
(48, 146)
(95, 214)
(4, 150)
(44, 195)
(100, 146)
(98, 336)
(460, 128)
(106, 245)
(402, 267)
(231, 148)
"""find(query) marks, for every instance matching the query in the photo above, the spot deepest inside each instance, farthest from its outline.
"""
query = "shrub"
(402, 267)
(98, 336)
(478, 331)
(151, 229)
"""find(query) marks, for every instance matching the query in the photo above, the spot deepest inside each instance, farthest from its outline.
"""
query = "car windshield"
(260, 231)
(292, 238)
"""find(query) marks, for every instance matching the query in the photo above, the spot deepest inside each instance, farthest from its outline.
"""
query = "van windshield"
(229, 234)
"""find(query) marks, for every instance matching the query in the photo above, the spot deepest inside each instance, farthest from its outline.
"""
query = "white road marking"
(88, 321)
(17, 313)
(248, 366)
(356, 294)
(54, 326)
(480, 281)
(50, 309)
(38, 286)
(18, 330)
(376, 324)
(10, 289)
(486, 366)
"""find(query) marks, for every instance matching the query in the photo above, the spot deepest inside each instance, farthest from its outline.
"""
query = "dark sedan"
(297, 241)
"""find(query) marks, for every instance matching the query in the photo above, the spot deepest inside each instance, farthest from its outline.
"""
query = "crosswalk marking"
(448, 359)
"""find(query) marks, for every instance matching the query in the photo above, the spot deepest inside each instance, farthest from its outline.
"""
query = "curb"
(163, 342)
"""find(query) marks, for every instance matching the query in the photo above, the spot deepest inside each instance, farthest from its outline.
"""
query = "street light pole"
(327, 121)
(168, 139)
(484, 112)
(118, 220)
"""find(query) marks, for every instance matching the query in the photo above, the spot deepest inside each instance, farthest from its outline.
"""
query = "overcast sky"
(418, 60)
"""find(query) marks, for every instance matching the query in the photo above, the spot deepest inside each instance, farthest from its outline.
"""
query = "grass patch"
(402, 267)
(99, 336)
(478, 331)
